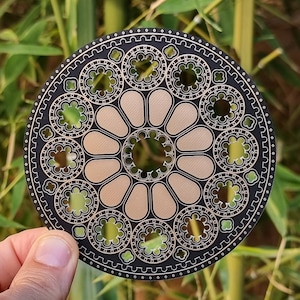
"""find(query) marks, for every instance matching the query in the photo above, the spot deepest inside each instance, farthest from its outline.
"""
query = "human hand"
(37, 264)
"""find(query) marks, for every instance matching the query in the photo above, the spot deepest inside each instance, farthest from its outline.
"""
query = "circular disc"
(154, 149)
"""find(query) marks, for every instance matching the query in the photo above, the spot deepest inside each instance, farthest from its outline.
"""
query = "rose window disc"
(154, 150)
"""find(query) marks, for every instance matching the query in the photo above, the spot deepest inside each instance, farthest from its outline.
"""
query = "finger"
(13, 252)
(48, 270)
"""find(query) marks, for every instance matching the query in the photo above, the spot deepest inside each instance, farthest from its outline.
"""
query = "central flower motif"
(129, 172)
(148, 154)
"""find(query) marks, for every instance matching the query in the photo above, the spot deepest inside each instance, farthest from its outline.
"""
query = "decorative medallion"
(154, 149)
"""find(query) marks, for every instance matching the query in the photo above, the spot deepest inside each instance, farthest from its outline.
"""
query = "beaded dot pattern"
(154, 149)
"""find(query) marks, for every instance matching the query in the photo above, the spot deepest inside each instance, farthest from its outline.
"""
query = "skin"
(37, 264)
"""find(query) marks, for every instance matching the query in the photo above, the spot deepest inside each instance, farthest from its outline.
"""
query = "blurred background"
(262, 35)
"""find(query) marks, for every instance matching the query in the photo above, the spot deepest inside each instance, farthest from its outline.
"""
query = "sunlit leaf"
(29, 19)
(19, 188)
(33, 33)
(289, 180)
(83, 286)
(256, 251)
(177, 6)
(13, 67)
(113, 283)
(200, 6)
(187, 279)
(7, 223)
(277, 207)
(12, 97)
(8, 35)
(36, 50)
(148, 24)
(71, 23)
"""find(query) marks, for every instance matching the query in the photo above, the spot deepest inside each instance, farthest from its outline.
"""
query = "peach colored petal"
(97, 170)
(110, 119)
(184, 115)
(186, 190)
(136, 206)
(97, 143)
(132, 104)
(201, 167)
(164, 206)
(198, 139)
(160, 102)
(113, 192)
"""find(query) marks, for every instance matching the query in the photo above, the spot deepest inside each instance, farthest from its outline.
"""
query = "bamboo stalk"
(243, 44)
(266, 60)
(9, 156)
(275, 270)
(243, 32)
(115, 15)
(86, 21)
(235, 266)
(210, 287)
(61, 28)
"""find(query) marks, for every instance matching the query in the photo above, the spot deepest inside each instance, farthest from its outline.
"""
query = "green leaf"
(34, 32)
(113, 283)
(292, 275)
(170, 21)
(71, 23)
(177, 6)
(187, 279)
(83, 287)
(35, 50)
(8, 35)
(28, 20)
(200, 6)
(263, 253)
(12, 97)
(7, 223)
(289, 180)
(13, 67)
(283, 68)
(277, 207)
(19, 188)
(86, 19)
(226, 16)
(256, 251)
(148, 24)
(276, 12)
(18, 192)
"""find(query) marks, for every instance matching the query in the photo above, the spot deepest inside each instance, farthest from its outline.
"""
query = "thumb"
(48, 270)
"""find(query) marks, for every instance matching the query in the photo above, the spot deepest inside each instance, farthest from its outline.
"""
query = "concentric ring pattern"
(154, 149)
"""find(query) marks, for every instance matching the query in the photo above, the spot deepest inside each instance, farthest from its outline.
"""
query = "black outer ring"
(92, 259)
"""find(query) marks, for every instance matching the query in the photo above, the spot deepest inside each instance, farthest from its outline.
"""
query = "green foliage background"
(263, 35)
